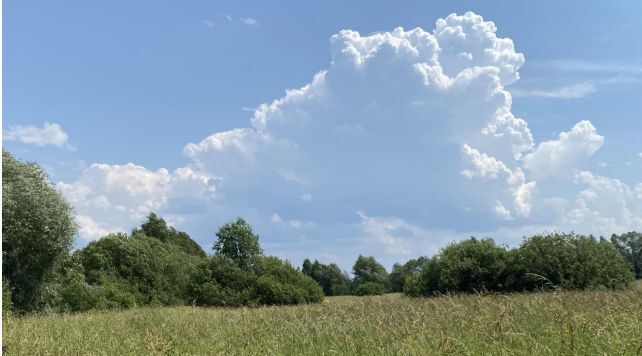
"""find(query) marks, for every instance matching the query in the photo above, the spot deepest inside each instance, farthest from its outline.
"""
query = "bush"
(138, 270)
(369, 288)
(571, 261)
(566, 261)
(220, 281)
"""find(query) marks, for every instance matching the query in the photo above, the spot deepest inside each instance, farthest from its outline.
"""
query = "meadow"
(561, 323)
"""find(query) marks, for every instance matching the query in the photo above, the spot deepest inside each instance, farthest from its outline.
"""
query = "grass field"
(565, 323)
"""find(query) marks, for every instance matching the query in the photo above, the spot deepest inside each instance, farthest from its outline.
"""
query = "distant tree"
(367, 269)
(630, 246)
(330, 277)
(307, 267)
(157, 228)
(38, 229)
(400, 273)
(237, 242)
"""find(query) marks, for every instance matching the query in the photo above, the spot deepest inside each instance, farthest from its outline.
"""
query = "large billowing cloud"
(404, 143)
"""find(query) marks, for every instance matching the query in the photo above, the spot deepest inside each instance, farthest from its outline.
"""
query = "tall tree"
(38, 229)
(237, 241)
(630, 246)
(367, 269)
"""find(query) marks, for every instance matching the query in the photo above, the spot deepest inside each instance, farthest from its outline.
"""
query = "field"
(563, 323)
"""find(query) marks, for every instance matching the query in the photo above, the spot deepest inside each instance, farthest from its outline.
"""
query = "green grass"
(565, 323)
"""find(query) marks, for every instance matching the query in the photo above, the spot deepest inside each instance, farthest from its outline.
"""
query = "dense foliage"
(367, 271)
(402, 273)
(223, 281)
(567, 261)
(157, 228)
(630, 246)
(571, 261)
(330, 277)
(37, 230)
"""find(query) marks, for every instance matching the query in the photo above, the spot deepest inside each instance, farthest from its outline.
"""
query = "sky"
(336, 129)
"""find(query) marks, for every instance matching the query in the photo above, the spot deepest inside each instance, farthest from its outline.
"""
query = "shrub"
(571, 261)
(369, 288)
(220, 281)
(138, 270)
(468, 266)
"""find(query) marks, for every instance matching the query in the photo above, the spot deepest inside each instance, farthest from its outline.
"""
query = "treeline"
(541, 262)
(158, 265)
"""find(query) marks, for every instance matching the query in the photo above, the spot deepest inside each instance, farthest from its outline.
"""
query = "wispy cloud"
(47, 135)
(578, 65)
(208, 23)
(565, 92)
(227, 18)
(249, 21)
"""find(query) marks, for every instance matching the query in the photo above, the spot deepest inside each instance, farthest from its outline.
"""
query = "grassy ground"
(566, 323)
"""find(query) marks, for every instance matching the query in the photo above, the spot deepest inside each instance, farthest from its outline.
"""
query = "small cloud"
(640, 154)
(602, 164)
(228, 17)
(249, 21)
(566, 92)
(501, 211)
(208, 23)
(306, 197)
(276, 218)
(49, 135)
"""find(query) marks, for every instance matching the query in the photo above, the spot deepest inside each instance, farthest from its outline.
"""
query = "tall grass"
(563, 323)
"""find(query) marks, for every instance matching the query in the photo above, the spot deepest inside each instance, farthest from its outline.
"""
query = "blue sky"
(365, 160)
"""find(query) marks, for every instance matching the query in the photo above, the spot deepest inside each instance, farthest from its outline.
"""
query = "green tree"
(237, 241)
(400, 273)
(330, 277)
(630, 246)
(367, 269)
(38, 229)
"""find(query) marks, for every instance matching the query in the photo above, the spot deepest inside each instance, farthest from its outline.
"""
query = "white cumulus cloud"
(407, 125)
(569, 152)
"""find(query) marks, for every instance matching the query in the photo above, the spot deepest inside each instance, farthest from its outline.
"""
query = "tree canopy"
(38, 229)
(237, 242)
